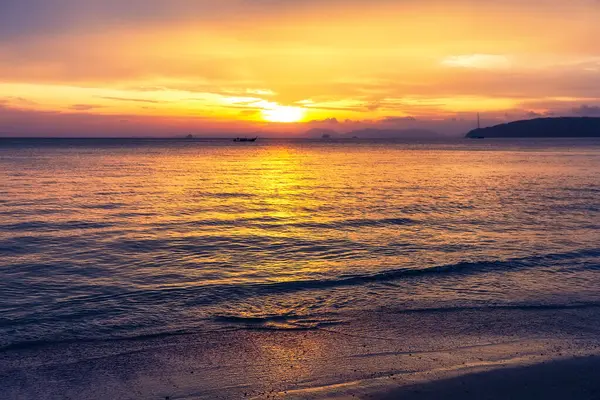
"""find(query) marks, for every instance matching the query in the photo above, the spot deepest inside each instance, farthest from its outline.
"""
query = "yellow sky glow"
(349, 60)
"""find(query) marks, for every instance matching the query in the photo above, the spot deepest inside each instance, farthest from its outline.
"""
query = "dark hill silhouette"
(564, 127)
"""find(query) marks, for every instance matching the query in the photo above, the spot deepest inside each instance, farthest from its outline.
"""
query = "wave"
(105, 206)
(356, 223)
(215, 293)
(294, 322)
(28, 344)
(54, 226)
(230, 195)
(285, 323)
(273, 222)
(253, 320)
(396, 274)
(281, 322)
(495, 307)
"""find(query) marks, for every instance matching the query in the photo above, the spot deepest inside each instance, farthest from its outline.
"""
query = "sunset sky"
(172, 67)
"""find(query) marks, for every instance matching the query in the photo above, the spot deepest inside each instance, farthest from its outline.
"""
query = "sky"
(282, 67)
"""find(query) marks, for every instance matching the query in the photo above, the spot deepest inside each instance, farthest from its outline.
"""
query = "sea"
(130, 240)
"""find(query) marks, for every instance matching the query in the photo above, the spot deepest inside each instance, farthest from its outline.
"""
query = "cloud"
(130, 99)
(249, 112)
(261, 92)
(18, 101)
(477, 61)
(325, 121)
(84, 107)
(398, 119)
(35, 17)
(18, 122)
(373, 106)
(23, 122)
(533, 114)
(587, 111)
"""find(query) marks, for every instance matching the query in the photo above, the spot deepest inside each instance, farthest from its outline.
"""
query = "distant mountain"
(565, 127)
(372, 133)
(320, 133)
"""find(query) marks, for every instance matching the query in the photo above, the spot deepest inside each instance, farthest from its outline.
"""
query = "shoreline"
(377, 356)
(302, 365)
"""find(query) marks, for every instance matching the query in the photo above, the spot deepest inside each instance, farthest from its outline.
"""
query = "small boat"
(245, 139)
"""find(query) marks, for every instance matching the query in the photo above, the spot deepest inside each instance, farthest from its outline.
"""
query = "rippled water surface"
(110, 239)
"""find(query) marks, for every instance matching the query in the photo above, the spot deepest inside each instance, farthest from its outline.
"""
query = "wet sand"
(478, 354)
(577, 378)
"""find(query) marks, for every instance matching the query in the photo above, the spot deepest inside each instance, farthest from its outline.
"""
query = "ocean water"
(109, 239)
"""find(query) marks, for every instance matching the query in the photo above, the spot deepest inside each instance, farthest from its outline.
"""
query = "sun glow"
(285, 114)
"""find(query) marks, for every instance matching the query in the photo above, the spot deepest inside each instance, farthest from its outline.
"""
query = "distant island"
(393, 134)
(320, 133)
(373, 134)
(564, 127)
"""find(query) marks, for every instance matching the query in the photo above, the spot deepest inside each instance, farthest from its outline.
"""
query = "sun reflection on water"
(183, 233)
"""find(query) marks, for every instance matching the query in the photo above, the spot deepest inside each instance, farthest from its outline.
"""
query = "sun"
(285, 114)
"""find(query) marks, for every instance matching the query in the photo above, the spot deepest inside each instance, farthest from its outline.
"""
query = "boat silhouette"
(238, 139)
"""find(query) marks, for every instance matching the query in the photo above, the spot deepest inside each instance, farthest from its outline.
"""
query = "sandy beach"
(378, 356)
(576, 378)
(572, 378)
